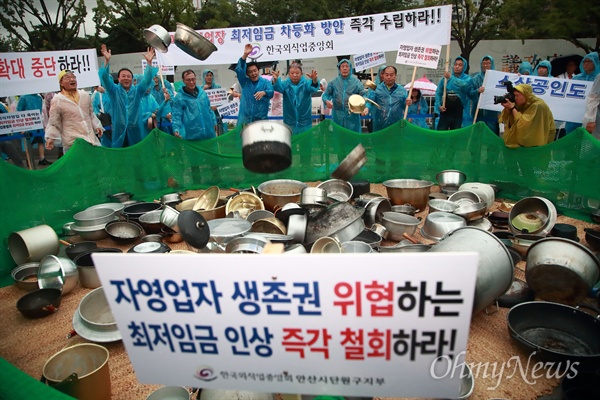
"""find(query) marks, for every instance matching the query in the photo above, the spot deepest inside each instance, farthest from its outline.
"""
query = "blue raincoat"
(418, 108)
(490, 117)
(338, 91)
(583, 76)
(250, 108)
(214, 85)
(392, 102)
(126, 106)
(101, 104)
(544, 63)
(525, 67)
(157, 91)
(297, 103)
(459, 85)
(376, 113)
(192, 115)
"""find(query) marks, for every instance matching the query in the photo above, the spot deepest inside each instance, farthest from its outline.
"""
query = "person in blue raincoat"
(525, 68)
(490, 117)
(456, 113)
(126, 99)
(152, 112)
(297, 101)
(256, 90)
(193, 119)
(544, 69)
(590, 68)
(337, 94)
(163, 121)
(391, 97)
(208, 83)
(418, 107)
(34, 102)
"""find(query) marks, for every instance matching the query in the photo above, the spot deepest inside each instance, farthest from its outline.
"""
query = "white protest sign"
(565, 97)
(230, 109)
(419, 55)
(165, 69)
(326, 38)
(37, 72)
(368, 60)
(310, 324)
(20, 121)
(217, 96)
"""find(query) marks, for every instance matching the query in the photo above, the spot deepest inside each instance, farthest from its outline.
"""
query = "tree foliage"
(40, 25)
(123, 21)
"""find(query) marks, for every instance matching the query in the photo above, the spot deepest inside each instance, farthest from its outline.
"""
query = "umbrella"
(559, 64)
(426, 87)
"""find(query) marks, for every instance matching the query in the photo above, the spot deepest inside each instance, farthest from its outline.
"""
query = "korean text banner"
(37, 72)
(21, 121)
(335, 324)
(565, 97)
(352, 35)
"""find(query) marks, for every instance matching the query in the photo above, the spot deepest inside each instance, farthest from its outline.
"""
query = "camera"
(508, 96)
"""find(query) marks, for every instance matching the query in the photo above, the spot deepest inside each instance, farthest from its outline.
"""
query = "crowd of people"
(122, 113)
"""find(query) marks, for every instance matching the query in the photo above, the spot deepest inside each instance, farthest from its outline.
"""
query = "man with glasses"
(193, 119)
(126, 98)
(391, 97)
(71, 115)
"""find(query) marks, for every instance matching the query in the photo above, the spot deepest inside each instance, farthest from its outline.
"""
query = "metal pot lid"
(222, 230)
(331, 220)
(150, 247)
(194, 228)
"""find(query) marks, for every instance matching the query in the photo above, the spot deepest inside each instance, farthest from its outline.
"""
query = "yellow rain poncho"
(533, 125)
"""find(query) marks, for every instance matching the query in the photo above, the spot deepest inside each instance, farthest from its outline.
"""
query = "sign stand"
(446, 70)
(412, 84)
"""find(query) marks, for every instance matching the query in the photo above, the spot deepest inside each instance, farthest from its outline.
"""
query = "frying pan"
(557, 332)
(39, 303)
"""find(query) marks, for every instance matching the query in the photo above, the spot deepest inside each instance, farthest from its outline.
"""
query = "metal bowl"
(538, 206)
(116, 207)
(471, 212)
(397, 224)
(223, 230)
(154, 237)
(438, 224)
(58, 273)
(412, 191)
(269, 225)
(151, 221)
(149, 247)
(404, 209)
(244, 203)
(374, 209)
(192, 43)
(94, 217)
(95, 311)
(135, 211)
(464, 197)
(326, 244)
(437, 205)
(208, 199)
(356, 246)
(217, 212)
(337, 189)
(313, 195)
(451, 178)
(278, 192)
(249, 244)
(25, 276)
(158, 37)
(121, 197)
(124, 231)
(91, 232)
(76, 249)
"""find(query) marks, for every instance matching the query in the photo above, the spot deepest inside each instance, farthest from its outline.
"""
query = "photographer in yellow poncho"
(528, 121)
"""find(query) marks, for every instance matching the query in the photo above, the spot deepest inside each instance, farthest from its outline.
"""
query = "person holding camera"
(527, 119)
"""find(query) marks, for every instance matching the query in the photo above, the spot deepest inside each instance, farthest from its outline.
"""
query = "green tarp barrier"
(567, 172)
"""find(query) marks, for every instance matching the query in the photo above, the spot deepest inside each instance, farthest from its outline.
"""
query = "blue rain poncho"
(418, 108)
(376, 112)
(192, 115)
(339, 91)
(525, 68)
(250, 108)
(584, 76)
(490, 117)
(297, 102)
(460, 85)
(378, 79)
(392, 102)
(125, 110)
(157, 91)
(214, 85)
(544, 63)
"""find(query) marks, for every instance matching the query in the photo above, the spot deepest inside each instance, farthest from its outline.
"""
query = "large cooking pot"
(266, 146)
(340, 221)
(90, 363)
(409, 191)
(33, 244)
(193, 43)
(495, 267)
(158, 37)
(556, 332)
(278, 192)
(561, 270)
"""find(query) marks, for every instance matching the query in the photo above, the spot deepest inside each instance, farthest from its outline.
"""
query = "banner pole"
(479, 100)
(446, 70)
(412, 84)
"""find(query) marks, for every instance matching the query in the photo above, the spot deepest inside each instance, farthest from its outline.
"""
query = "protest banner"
(217, 96)
(20, 121)
(326, 38)
(230, 109)
(368, 60)
(37, 72)
(565, 97)
(166, 69)
(280, 324)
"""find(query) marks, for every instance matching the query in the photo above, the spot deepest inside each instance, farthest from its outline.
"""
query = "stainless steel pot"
(374, 209)
(538, 206)
(412, 191)
(561, 270)
(33, 244)
(158, 37)
(192, 43)
(266, 146)
(397, 224)
(495, 267)
(278, 192)
(341, 221)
